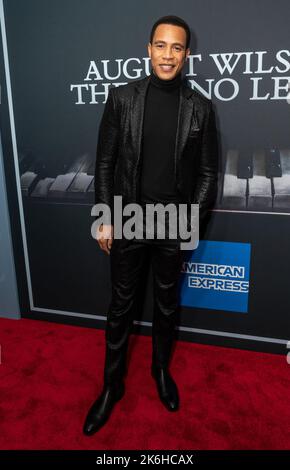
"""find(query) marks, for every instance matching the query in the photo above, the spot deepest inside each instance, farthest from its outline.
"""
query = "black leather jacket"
(118, 161)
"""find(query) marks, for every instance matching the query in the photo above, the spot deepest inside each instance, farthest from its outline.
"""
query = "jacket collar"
(142, 84)
(185, 116)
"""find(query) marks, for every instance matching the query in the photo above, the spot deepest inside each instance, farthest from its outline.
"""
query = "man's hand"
(105, 237)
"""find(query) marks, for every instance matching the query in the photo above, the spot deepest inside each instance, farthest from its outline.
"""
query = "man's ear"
(187, 52)
(149, 49)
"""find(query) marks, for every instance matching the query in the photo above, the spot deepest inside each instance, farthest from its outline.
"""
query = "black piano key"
(245, 164)
(273, 166)
(282, 184)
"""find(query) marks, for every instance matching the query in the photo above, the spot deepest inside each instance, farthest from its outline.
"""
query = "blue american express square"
(216, 276)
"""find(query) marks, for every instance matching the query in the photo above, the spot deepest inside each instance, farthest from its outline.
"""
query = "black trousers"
(127, 259)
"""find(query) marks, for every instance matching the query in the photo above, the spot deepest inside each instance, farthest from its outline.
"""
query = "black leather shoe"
(101, 409)
(167, 388)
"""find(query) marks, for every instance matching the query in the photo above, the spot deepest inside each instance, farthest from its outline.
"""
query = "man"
(157, 143)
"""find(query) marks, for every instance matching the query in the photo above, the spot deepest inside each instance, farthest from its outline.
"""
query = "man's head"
(169, 45)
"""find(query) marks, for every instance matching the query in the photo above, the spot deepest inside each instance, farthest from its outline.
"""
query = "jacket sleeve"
(107, 149)
(206, 187)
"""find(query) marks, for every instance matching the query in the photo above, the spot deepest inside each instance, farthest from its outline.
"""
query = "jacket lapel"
(185, 116)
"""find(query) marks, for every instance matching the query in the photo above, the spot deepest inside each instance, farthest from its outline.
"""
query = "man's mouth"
(166, 67)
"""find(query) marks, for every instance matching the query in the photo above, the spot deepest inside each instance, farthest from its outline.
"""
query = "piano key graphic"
(31, 169)
(80, 185)
(260, 186)
(28, 182)
(257, 181)
(25, 161)
(245, 164)
(273, 163)
(282, 184)
(42, 187)
(253, 180)
(235, 182)
(72, 183)
(60, 187)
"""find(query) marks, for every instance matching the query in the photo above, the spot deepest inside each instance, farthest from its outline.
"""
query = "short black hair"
(174, 20)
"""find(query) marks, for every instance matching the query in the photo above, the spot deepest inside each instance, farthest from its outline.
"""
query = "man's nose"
(167, 53)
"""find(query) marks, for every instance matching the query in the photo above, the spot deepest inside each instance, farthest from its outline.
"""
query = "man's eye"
(176, 48)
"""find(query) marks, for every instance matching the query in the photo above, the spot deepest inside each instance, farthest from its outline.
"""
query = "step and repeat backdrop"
(58, 61)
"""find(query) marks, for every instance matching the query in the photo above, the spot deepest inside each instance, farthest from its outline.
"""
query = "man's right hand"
(105, 237)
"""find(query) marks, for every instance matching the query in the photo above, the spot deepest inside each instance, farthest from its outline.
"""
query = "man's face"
(167, 51)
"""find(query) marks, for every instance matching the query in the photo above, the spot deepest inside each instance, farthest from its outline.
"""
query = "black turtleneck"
(159, 133)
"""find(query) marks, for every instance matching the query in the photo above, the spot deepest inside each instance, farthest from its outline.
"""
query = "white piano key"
(60, 185)
(42, 187)
(80, 184)
(234, 188)
(260, 190)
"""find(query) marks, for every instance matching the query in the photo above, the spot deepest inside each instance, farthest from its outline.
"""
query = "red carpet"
(51, 373)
